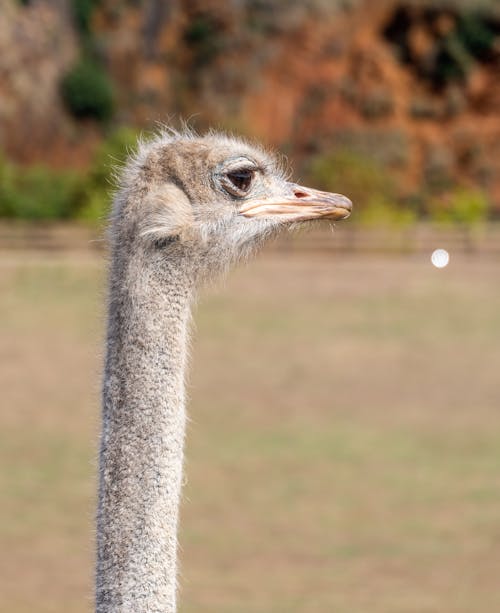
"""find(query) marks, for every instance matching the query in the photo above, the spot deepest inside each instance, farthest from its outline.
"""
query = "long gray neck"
(142, 435)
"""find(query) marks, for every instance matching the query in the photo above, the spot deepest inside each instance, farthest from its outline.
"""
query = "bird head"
(213, 196)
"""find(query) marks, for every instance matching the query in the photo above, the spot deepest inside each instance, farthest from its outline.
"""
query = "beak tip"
(345, 202)
(342, 207)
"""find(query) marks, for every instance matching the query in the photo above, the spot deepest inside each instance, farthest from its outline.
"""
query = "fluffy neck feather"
(143, 433)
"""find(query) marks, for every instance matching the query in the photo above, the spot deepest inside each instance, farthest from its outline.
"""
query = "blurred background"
(344, 446)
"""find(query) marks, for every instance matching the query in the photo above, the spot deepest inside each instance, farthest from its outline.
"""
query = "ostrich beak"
(300, 204)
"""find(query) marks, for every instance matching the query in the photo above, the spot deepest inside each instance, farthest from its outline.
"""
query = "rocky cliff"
(412, 85)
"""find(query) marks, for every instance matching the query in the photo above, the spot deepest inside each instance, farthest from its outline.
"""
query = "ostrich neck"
(142, 436)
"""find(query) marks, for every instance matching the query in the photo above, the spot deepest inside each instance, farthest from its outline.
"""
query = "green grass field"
(343, 452)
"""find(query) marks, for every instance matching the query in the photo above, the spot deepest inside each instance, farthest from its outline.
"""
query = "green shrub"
(41, 193)
(82, 13)
(471, 40)
(462, 205)
(379, 211)
(453, 61)
(203, 35)
(112, 153)
(358, 177)
(476, 35)
(37, 192)
(366, 183)
(98, 184)
(95, 206)
(87, 91)
(6, 188)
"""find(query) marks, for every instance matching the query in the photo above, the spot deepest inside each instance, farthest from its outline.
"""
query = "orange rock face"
(297, 75)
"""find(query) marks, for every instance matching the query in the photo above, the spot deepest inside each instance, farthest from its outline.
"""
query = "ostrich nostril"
(299, 194)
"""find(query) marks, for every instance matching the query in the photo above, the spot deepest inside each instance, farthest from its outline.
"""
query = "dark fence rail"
(484, 239)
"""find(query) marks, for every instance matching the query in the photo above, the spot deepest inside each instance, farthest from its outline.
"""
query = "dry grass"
(344, 449)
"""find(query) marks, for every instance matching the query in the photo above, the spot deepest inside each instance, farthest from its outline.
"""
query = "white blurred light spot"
(440, 258)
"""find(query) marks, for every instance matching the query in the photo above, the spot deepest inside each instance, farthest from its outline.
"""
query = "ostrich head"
(187, 207)
(211, 199)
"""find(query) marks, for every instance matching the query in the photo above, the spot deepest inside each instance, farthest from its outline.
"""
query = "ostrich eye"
(239, 181)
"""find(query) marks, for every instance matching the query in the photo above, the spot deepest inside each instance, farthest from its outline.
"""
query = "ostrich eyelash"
(165, 241)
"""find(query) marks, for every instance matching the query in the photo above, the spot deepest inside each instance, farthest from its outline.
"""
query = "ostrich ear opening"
(170, 213)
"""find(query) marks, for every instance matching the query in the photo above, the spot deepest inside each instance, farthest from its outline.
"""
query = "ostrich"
(187, 206)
